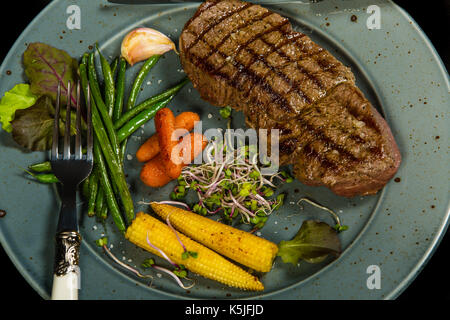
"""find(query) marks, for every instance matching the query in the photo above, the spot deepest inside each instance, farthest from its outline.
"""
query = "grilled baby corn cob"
(207, 263)
(240, 246)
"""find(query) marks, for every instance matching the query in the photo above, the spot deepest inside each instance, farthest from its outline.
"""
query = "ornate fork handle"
(67, 252)
(66, 278)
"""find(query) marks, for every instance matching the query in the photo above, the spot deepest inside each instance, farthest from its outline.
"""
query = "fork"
(71, 170)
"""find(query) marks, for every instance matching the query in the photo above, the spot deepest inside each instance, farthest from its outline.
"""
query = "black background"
(433, 17)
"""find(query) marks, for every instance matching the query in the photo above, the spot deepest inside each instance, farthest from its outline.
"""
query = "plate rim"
(399, 288)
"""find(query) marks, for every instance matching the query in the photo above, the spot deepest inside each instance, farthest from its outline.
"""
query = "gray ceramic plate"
(397, 230)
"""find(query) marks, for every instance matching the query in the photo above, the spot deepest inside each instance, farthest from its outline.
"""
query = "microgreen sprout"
(124, 265)
(339, 227)
(173, 274)
(233, 186)
(102, 242)
(225, 112)
(147, 263)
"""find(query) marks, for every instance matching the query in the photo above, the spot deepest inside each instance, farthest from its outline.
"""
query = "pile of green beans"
(106, 191)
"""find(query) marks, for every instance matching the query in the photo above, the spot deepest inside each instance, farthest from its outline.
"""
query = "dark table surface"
(433, 17)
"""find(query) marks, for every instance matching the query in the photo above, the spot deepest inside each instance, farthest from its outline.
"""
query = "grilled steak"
(243, 55)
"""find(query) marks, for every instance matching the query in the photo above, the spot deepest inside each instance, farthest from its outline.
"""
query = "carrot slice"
(153, 175)
(189, 148)
(186, 120)
(165, 127)
(153, 172)
(150, 148)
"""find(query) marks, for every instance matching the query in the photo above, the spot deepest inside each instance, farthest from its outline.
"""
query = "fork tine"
(67, 131)
(54, 154)
(90, 138)
(78, 152)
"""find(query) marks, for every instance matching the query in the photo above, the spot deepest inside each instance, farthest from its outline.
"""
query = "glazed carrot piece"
(189, 147)
(153, 172)
(150, 148)
(198, 143)
(186, 120)
(165, 127)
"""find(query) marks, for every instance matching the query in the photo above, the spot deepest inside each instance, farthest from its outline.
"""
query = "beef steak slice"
(243, 55)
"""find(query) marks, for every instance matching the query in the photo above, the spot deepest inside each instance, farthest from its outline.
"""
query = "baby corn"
(207, 263)
(240, 246)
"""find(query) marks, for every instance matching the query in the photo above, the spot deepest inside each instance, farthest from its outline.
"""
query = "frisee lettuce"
(19, 97)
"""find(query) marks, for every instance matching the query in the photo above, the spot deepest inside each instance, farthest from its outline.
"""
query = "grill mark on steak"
(257, 80)
(368, 121)
(289, 37)
(321, 136)
(226, 15)
(288, 146)
(302, 70)
(203, 8)
(316, 133)
(295, 85)
(216, 48)
(324, 162)
(247, 24)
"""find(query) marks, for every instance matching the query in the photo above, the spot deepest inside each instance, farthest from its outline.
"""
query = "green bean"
(101, 107)
(120, 88)
(135, 89)
(134, 124)
(99, 201)
(111, 158)
(93, 191)
(92, 74)
(113, 66)
(107, 189)
(148, 103)
(41, 167)
(142, 74)
(85, 187)
(123, 150)
(44, 177)
(108, 78)
(103, 214)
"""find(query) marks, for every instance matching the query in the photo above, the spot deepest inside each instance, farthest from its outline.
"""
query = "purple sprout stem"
(129, 268)
(232, 211)
(241, 206)
(175, 203)
(173, 275)
(162, 253)
(174, 231)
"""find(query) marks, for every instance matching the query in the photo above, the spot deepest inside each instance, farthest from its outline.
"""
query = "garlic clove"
(142, 43)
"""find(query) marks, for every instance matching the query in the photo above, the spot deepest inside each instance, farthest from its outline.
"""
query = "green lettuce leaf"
(32, 128)
(45, 66)
(313, 243)
(19, 97)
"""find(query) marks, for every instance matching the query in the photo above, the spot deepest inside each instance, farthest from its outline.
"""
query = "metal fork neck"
(68, 214)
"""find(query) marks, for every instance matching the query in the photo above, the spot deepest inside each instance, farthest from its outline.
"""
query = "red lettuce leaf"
(45, 66)
(32, 128)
